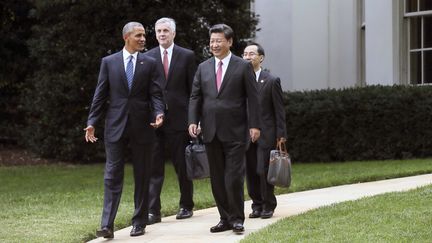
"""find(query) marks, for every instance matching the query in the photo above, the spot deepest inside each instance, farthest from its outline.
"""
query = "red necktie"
(219, 75)
(165, 63)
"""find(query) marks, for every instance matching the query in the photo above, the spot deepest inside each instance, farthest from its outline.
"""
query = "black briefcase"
(197, 166)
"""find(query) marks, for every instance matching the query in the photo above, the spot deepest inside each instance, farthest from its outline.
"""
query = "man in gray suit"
(177, 67)
(273, 128)
(222, 90)
(128, 82)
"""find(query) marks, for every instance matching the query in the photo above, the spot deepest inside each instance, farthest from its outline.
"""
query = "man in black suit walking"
(177, 67)
(128, 80)
(273, 128)
(223, 88)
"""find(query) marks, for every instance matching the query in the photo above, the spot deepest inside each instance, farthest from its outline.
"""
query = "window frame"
(409, 16)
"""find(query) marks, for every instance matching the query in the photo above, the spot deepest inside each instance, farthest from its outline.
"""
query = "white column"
(380, 49)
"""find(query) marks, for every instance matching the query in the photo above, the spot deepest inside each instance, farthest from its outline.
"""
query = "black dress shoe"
(237, 227)
(255, 214)
(266, 214)
(105, 232)
(221, 226)
(184, 214)
(137, 230)
(153, 218)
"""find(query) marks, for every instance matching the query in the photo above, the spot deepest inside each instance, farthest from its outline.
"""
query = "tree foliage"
(15, 24)
(70, 38)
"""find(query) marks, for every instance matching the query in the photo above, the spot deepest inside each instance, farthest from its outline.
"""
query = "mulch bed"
(11, 155)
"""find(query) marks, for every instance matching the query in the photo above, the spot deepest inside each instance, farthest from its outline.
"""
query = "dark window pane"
(427, 32)
(411, 6)
(427, 66)
(415, 68)
(425, 5)
(415, 33)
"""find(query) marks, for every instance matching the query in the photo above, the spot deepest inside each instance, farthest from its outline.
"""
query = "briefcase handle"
(281, 146)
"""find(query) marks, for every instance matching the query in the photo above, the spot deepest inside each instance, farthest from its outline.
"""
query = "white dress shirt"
(126, 56)
(225, 62)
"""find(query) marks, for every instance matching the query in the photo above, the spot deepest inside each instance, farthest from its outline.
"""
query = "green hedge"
(375, 122)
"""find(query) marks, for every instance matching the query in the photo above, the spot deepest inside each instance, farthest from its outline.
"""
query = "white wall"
(309, 44)
(380, 50)
(344, 30)
(275, 17)
(314, 44)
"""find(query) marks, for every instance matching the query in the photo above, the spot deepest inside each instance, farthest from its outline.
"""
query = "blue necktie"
(129, 72)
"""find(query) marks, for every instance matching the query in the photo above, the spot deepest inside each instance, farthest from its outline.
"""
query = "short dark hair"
(222, 28)
(260, 49)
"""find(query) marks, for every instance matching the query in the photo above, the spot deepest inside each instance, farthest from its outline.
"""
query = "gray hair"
(168, 21)
(129, 27)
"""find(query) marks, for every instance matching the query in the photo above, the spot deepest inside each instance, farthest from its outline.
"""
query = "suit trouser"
(140, 155)
(253, 179)
(176, 143)
(227, 169)
(267, 190)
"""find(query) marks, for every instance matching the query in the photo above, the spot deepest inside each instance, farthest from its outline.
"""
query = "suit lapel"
(231, 67)
(157, 55)
(120, 64)
(262, 80)
(138, 69)
(212, 70)
(173, 62)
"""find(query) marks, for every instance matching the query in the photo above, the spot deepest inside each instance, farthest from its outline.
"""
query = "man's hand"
(254, 134)
(158, 122)
(193, 130)
(89, 135)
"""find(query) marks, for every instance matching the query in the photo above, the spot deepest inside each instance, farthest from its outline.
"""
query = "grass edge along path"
(390, 217)
(62, 203)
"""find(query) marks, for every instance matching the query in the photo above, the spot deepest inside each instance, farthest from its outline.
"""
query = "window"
(419, 15)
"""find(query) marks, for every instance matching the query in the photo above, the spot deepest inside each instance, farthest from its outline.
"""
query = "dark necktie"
(129, 72)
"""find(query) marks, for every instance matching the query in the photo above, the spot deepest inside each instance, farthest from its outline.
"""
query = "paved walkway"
(196, 229)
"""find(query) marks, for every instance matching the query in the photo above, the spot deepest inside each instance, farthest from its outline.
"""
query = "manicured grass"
(391, 217)
(63, 203)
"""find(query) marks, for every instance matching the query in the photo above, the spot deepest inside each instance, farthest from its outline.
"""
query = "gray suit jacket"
(137, 107)
(225, 113)
(272, 112)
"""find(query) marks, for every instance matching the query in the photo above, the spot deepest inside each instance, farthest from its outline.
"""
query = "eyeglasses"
(249, 54)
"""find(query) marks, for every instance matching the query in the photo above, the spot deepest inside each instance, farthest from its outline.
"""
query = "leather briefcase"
(197, 166)
(279, 173)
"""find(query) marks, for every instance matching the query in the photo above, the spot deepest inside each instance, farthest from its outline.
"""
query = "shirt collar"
(126, 54)
(257, 74)
(169, 49)
(226, 59)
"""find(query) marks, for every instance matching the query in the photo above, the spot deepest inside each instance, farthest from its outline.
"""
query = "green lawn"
(391, 217)
(63, 203)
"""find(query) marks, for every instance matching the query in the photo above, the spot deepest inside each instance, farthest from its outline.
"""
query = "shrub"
(375, 122)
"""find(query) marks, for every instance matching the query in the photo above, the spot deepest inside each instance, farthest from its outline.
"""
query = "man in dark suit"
(177, 67)
(222, 90)
(128, 82)
(273, 128)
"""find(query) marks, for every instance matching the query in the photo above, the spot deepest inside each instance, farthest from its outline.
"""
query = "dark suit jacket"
(138, 107)
(176, 90)
(225, 112)
(272, 112)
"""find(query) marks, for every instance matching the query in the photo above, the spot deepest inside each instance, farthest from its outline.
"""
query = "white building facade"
(320, 44)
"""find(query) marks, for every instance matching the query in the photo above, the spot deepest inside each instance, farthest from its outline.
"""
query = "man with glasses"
(273, 128)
